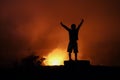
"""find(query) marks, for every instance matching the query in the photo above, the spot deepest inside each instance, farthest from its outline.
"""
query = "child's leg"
(75, 56)
(70, 56)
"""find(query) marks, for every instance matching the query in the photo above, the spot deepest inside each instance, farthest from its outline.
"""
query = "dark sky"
(35, 25)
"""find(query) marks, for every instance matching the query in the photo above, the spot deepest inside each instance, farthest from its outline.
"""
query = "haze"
(34, 25)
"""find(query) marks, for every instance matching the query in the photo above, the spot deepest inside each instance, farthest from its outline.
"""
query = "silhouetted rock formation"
(79, 63)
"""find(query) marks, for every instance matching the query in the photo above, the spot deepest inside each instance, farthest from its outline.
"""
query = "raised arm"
(64, 26)
(80, 24)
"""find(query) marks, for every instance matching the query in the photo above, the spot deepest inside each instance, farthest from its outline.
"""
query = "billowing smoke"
(34, 25)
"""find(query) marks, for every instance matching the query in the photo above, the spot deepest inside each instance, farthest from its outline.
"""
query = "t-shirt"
(73, 35)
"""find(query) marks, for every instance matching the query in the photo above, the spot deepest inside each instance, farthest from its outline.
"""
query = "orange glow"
(56, 57)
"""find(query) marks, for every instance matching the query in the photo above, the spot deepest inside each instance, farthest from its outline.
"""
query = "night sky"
(34, 25)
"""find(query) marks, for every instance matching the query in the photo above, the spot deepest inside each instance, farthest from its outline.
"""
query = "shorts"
(72, 46)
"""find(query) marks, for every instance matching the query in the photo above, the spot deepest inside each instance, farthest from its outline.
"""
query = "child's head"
(73, 26)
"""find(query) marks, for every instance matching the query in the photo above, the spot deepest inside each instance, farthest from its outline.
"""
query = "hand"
(82, 20)
(61, 23)
(80, 24)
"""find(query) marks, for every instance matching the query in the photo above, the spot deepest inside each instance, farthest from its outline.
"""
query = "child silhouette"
(73, 37)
